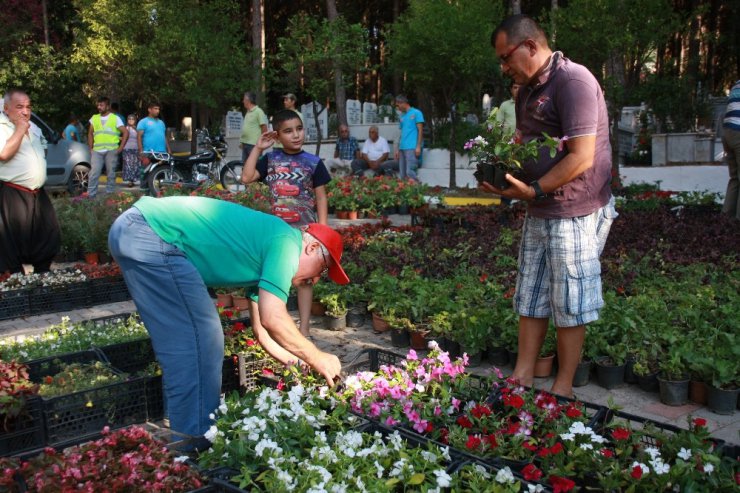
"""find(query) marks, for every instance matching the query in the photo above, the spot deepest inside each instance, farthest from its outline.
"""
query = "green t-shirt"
(251, 129)
(229, 245)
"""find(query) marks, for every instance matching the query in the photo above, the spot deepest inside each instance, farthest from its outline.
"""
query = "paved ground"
(350, 342)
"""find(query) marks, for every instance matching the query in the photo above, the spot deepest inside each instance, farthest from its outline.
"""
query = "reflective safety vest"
(105, 138)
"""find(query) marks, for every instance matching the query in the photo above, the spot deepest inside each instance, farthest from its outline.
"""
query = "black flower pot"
(673, 392)
(451, 347)
(355, 318)
(474, 358)
(498, 356)
(583, 374)
(513, 355)
(629, 373)
(648, 383)
(609, 376)
(722, 401)
(400, 337)
(499, 179)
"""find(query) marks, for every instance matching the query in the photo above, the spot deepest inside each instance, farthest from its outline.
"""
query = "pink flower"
(561, 141)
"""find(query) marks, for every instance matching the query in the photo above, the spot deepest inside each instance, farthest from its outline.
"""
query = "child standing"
(297, 182)
(131, 164)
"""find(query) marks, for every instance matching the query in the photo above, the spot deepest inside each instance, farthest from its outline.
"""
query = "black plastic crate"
(108, 290)
(108, 319)
(72, 416)
(230, 374)
(14, 304)
(59, 299)
(51, 365)
(251, 370)
(130, 356)
(613, 417)
(154, 398)
(24, 432)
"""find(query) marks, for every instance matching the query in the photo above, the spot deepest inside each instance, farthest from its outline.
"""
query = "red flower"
(464, 422)
(228, 313)
(531, 473)
(480, 410)
(636, 472)
(620, 434)
(530, 446)
(699, 422)
(491, 439)
(573, 411)
(430, 427)
(556, 449)
(607, 452)
(560, 484)
(514, 401)
(473, 442)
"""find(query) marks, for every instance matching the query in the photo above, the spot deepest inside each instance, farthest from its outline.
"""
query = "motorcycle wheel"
(78, 180)
(231, 175)
(160, 174)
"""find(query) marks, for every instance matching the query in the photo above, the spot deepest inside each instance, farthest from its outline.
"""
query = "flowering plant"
(124, 460)
(67, 337)
(15, 387)
(79, 376)
(505, 149)
(53, 279)
(343, 195)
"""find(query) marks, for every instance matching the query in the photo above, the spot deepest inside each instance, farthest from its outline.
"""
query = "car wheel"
(78, 180)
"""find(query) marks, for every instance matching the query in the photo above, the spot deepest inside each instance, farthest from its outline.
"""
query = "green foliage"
(444, 48)
(314, 48)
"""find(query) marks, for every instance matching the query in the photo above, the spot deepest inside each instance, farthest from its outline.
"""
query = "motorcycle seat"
(198, 157)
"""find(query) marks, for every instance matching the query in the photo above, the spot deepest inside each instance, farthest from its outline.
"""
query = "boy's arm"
(249, 171)
(322, 204)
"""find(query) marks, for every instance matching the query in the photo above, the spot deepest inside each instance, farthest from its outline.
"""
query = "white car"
(67, 162)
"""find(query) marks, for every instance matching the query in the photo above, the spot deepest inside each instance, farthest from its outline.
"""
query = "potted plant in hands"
(499, 151)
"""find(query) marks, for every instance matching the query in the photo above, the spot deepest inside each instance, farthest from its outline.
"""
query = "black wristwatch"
(538, 193)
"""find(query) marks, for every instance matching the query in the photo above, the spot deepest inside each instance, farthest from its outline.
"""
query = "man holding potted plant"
(569, 202)
(171, 248)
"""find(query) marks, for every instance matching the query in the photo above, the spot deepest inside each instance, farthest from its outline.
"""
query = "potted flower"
(543, 365)
(335, 311)
(499, 151)
(725, 374)
(673, 378)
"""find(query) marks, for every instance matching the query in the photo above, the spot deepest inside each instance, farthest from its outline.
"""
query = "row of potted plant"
(375, 195)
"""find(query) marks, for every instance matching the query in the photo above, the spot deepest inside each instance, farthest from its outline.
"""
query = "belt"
(20, 187)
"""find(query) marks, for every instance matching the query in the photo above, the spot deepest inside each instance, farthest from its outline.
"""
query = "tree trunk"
(553, 27)
(340, 94)
(318, 126)
(453, 146)
(516, 7)
(193, 127)
(258, 44)
(397, 87)
(46, 22)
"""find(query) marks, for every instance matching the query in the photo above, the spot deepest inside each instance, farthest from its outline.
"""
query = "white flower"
(182, 458)
(505, 476)
(443, 479)
(586, 446)
(660, 467)
(645, 469)
(568, 436)
(685, 454)
(211, 434)
(535, 488)
(708, 468)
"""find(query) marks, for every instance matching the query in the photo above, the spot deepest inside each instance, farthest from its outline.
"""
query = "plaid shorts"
(559, 268)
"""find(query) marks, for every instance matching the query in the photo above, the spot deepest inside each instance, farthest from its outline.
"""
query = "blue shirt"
(153, 138)
(409, 131)
(68, 130)
(347, 149)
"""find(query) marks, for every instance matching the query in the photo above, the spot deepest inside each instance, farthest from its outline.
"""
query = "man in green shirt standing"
(171, 249)
(254, 125)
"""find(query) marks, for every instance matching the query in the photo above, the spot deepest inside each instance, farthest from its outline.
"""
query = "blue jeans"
(407, 163)
(97, 160)
(180, 317)
(246, 151)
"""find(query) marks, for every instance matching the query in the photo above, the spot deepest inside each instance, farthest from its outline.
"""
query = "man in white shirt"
(375, 152)
(29, 231)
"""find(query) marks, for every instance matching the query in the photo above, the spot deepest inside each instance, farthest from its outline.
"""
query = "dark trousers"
(29, 231)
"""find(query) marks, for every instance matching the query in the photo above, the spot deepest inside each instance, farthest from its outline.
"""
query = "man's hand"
(22, 125)
(328, 366)
(517, 189)
(372, 165)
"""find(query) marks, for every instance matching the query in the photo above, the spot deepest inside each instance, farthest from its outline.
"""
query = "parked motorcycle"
(204, 168)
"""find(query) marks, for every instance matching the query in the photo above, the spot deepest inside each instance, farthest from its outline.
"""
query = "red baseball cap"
(333, 243)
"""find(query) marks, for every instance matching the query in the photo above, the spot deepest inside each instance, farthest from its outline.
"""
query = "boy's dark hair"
(152, 104)
(104, 99)
(283, 116)
(518, 28)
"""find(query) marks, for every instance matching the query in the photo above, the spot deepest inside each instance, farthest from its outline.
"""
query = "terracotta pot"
(543, 366)
(318, 309)
(342, 214)
(352, 215)
(225, 299)
(240, 302)
(380, 325)
(698, 392)
(419, 339)
(92, 258)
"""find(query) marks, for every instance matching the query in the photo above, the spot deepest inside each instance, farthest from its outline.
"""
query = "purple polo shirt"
(566, 100)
